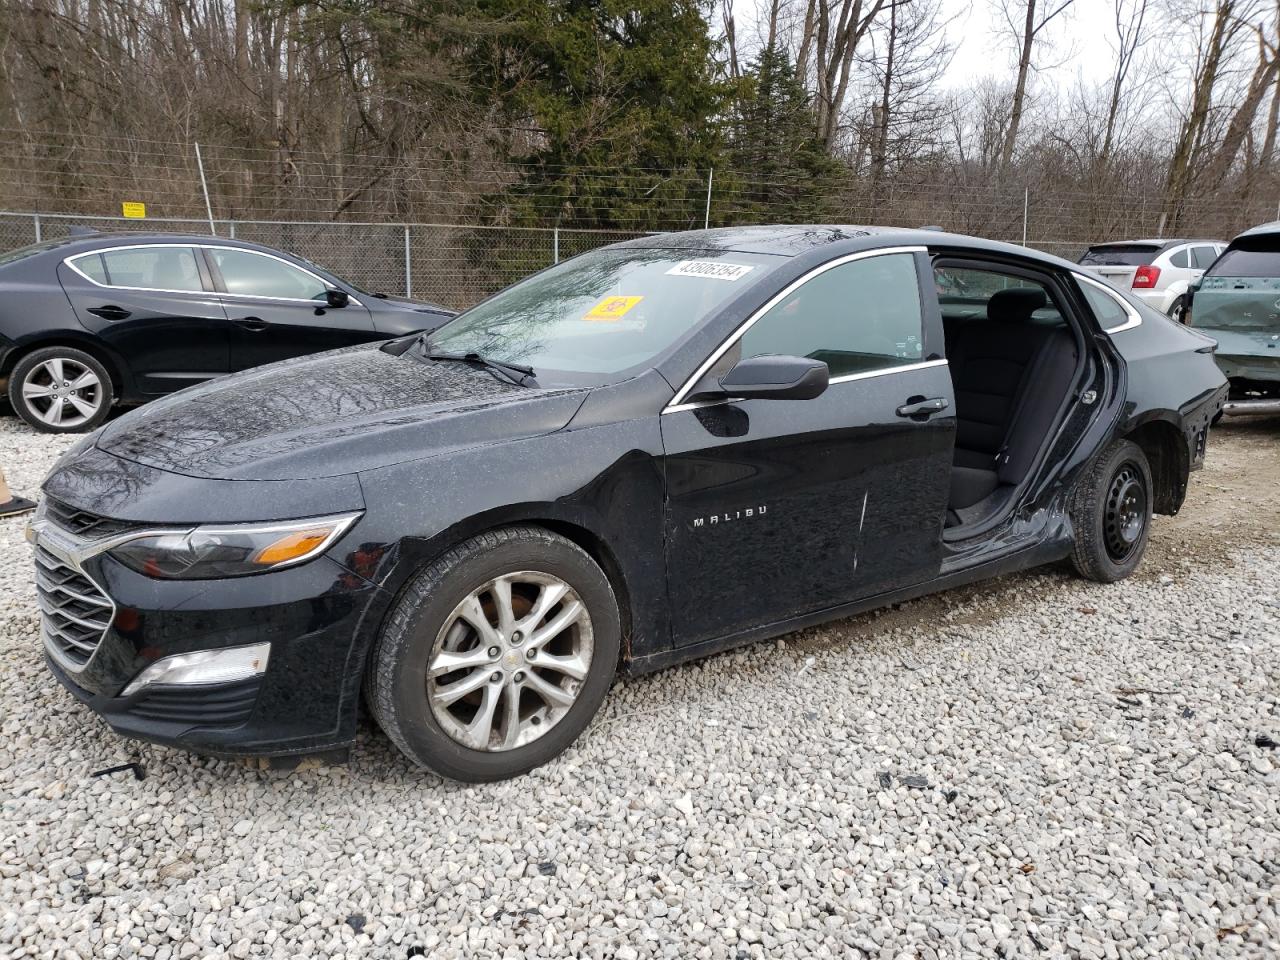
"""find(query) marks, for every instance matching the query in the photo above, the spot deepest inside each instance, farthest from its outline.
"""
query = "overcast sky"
(1079, 43)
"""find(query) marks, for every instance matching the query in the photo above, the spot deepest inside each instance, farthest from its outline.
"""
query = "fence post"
(706, 216)
(231, 228)
(36, 217)
(555, 244)
(1026, 207)
(204, 185)
(408, 265)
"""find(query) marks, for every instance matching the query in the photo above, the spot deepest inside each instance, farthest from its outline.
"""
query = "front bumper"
(315, 616)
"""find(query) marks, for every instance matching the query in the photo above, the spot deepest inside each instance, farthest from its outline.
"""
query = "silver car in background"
(1157, 272)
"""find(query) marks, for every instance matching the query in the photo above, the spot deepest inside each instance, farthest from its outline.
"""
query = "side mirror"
(336, 298)
(776, 378)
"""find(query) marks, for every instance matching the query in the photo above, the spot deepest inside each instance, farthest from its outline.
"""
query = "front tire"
(1111, 513)
(496, 656)
(60, 390)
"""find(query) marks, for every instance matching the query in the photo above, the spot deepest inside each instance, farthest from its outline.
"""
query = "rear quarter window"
(1107, 307)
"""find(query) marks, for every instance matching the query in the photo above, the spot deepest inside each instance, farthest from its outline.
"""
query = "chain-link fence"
(458, 264)
(449, 264)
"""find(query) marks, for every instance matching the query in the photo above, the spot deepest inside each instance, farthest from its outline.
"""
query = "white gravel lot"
(1036, 767)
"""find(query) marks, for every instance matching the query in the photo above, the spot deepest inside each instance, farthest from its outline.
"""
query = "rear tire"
(1178, 310)
(1111, 512)
(60, 390)
(485, 617)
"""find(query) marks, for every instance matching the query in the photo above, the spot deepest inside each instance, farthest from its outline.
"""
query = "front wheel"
(1111, 513)
(496, 656)
(60, 390)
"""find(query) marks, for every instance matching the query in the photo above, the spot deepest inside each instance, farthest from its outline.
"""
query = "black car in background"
(651, 452)
(86, 322)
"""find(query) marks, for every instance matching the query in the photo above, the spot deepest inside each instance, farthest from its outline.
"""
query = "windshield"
(1246, 263)
(1119, 255)
(603, 315)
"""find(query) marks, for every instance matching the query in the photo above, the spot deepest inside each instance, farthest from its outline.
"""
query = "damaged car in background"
(1237, 303)
(652, 452)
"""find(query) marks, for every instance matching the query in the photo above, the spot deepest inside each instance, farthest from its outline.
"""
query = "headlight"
(210, 552)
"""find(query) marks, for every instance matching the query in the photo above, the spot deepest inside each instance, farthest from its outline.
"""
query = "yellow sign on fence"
(133, 210)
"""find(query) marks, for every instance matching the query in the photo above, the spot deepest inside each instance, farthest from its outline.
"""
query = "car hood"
(332, 414)
(388, 302)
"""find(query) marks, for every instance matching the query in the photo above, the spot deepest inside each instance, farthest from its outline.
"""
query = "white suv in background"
(1156, 271)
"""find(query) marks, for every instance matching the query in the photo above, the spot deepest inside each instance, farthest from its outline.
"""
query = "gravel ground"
(1035, 767)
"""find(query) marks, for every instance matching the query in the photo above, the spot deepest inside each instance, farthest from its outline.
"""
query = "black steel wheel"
(1111, 513)
(1124, 521)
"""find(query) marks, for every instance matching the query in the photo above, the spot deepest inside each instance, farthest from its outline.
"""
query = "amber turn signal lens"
(291, 546)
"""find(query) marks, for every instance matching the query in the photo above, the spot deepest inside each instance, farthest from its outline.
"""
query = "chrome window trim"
(678, 402)
(905, 368)
(1135, 318)
(70, 262)
(271, 256)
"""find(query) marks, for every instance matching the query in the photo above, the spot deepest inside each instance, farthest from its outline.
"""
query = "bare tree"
(832, 31)
(1026, 20)
(1131, 34)
(908, 114)
(1227, 23)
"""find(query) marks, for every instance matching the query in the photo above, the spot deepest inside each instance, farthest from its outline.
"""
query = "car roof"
(1153, 242)
(790, 240)
(87, 243)
(1260, 230)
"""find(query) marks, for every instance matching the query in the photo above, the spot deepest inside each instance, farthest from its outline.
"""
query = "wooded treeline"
(596, 113)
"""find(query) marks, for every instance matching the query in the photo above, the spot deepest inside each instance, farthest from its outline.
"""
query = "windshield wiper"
(516, 373)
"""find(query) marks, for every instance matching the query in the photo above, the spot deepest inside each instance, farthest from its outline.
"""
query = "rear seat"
(1010, 374)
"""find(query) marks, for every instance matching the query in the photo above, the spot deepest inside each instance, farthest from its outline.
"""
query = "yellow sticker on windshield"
(611, 308)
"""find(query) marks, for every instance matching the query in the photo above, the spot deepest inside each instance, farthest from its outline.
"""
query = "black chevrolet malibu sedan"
(655, 451)
(94, 320)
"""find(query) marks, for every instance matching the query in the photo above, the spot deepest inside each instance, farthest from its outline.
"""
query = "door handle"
(109, 312)
(922, 409)
(251, 323)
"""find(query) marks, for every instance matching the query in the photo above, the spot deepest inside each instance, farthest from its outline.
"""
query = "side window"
(91, 266)
(1204, 257)
(1108, 309)
(857, 317)
(255, 275)
(151, 268)
(964, 293)
(1180, 259)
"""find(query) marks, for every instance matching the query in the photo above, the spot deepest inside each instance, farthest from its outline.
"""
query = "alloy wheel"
(63, 392)
(1125, 516)
(510, 660)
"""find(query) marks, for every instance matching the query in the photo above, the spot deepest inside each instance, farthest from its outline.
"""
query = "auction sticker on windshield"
(611, 308)
(710, 270)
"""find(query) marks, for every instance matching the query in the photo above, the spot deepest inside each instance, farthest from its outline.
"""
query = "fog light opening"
(204, 666)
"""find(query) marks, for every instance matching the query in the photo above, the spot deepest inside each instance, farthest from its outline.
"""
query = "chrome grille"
(83, 523)
(74, 613)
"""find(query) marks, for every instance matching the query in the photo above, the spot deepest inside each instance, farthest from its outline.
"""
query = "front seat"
(1010, 374)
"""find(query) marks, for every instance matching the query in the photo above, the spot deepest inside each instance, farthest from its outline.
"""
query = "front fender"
(600, 485)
